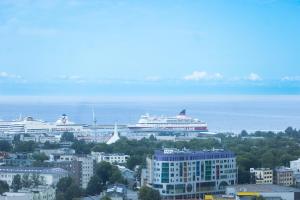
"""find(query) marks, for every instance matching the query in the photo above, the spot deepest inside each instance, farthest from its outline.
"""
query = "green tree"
(147, 193)
(40, 157)
(36, 180)
(102, 147)
(67, 137)
(66, 189)
(26, 181)
(63, 184)
(81, 147)
(16, 183)
(73, 191)
(103, 171)
(5, 146)
(3, 187)
(27, 146)
(94, 186)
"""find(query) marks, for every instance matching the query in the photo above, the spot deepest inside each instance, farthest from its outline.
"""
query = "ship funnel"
(183, 112)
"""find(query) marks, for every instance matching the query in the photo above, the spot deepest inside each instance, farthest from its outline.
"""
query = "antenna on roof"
(94, 117)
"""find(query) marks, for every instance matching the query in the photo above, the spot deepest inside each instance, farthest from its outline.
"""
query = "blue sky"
(169, 47)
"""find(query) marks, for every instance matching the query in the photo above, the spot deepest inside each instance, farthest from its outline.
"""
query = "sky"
(135, 47)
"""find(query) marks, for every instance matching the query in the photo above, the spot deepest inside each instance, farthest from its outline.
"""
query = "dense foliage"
(5, 146)
(67, 189)
(67, 137)
(3, 187)
(260, 149)
(27, 146)
(105, 174)
(147, 193)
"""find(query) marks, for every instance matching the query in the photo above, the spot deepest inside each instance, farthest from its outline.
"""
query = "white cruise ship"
(177, 124)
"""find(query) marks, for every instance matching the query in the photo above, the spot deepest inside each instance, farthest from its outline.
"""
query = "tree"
(134, 161)
(5, 146)
(67, 137)
(244, 133)
(103, 171)
(26, 181)
(63, 184)
(147, 193)
(40, 157)
(94, 186)
(36, 180)
(73, 191)
(66, 189)
(27, 146)
(102, 147)
(3, 187)
(81, 147)
(16, 183)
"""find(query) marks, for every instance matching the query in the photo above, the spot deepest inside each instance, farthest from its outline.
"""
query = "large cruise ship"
(180, 124)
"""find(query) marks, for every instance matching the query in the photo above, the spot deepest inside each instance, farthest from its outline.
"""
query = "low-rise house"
(261, 176)
(283, 176)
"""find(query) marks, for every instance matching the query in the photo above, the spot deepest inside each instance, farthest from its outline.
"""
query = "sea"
(222, 113)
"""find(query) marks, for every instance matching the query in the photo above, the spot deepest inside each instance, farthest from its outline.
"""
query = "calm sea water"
(221, 115)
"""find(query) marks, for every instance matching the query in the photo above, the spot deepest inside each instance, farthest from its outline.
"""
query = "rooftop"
(263, 188)
(185, 154)
(283, 169)
(40, 170)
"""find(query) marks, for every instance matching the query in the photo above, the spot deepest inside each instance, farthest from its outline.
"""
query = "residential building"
(48, 176)
(38, 193)
(73, 167)
(116, 158)
(283, 176)
(87, 167)
(261, 176)
(267, 191)
(184, 174)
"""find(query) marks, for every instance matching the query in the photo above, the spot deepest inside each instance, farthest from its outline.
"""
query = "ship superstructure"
(181, 124)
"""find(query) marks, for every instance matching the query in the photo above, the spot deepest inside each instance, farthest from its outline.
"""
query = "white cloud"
(202, 75)
(290, 78)
(254, 77)
(8, 75)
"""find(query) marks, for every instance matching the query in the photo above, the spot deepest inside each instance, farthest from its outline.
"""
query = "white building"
(87, 167)
(48, 176)
(116, 158)
(190, 174)
(38, 193)
(261, 175)
(295, 165)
